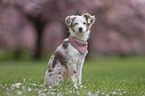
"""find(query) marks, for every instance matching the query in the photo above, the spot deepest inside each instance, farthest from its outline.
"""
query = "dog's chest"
(73, 53)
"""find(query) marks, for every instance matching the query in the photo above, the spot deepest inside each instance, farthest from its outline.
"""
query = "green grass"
(101, 76)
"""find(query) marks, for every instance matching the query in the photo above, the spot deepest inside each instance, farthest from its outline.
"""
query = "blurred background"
(35, 28)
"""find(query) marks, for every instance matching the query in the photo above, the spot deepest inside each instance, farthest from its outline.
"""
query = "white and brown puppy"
(67, 61)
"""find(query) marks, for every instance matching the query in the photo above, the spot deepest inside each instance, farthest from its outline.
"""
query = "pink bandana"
(79, 45)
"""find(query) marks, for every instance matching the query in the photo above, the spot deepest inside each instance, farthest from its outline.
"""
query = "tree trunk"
(17, 54)
(39, 26)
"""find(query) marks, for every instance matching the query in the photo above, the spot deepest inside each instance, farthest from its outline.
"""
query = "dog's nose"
(80, 29)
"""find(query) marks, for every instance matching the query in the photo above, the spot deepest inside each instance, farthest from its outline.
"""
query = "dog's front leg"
(79, 70)
(72, 72)
(74, 79)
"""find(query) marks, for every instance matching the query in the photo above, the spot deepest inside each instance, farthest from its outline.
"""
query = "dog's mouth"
(80, 31)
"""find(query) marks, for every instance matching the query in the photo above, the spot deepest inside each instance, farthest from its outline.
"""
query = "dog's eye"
(76, 24)
(84, 23)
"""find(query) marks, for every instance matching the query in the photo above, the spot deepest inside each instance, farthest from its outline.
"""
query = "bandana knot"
(79, 45)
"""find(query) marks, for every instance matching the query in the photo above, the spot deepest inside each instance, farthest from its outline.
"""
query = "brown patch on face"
(65, 44)
(72, 25)
(58, 57)
(90, 19)
(88, 26)
(68, 20)
(87, 16)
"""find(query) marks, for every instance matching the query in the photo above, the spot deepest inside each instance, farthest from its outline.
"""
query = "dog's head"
(79, 25)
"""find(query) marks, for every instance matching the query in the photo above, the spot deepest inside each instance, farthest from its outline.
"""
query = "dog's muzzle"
(80, 29)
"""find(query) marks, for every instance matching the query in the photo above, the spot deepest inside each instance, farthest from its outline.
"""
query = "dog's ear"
(68, 20)
(90, 19)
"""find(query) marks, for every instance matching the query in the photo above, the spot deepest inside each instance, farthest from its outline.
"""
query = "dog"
(67, 61)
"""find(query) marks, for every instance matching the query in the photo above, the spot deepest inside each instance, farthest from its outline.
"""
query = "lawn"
(105, 76)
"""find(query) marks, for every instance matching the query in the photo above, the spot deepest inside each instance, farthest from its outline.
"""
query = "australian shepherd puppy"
(67, 61)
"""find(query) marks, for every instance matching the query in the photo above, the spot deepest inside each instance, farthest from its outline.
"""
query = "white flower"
(81, 86)
(41, 85)
(59, 94)
(24, 79)
(29, 89)
(49, 87)
(114, 92)
(102, 93)
(35, 89)
(42, 94)
(98, 91)
(120, 93)
(19, 93)
(33, 84)
(16, 85)
(48, 93)
(52, 93)
(77, 91)
(12, 88)
(70, 91)
(107, 94)
(89, 93)
(39, 91)
(96, 94)
(45, 90)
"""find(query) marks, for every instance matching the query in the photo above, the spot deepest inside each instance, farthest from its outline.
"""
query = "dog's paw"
(76, 86)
